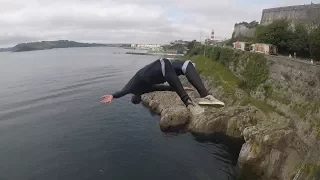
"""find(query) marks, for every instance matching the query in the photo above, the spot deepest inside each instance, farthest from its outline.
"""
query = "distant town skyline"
(124, 21)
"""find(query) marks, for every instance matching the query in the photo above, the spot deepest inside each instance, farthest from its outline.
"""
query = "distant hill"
(32, 46)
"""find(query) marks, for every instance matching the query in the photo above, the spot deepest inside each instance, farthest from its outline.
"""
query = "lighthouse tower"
(212, 35)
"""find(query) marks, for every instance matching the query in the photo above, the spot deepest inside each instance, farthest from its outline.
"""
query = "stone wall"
(303, 13)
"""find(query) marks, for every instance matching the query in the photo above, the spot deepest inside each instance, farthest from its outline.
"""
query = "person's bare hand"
(106, 99)
(187, 89)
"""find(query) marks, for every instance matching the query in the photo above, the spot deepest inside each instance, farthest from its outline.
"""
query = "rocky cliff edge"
(271, 149)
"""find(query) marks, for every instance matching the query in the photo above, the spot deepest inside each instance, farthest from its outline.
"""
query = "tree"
(166, 47)
(299, 41)
(276, 33)
(252, 24)
(314, 40)
(208, 41)
(191, 44)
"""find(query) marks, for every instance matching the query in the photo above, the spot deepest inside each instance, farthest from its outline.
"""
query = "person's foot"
(194, 108)
(210, 100)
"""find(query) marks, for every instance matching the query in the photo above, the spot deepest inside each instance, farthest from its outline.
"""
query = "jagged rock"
(174, 115)
(230, 121)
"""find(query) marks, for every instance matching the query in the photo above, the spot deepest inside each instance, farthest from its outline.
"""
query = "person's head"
(135, 99)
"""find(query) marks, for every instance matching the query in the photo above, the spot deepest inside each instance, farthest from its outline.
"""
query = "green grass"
(303, 109)
(253, 66)
(318, 130)
(315, 107)
(268, 88)
(255, 71)
(310, 169)
(228, 81)
(221, 74)
(280, 97)
(185, 57)
(261, 105)
(270, 93)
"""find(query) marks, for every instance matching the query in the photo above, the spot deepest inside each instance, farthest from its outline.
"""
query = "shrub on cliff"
(207, 51)
(287, 38)
(315, 44)
(218, 64)
(215, 53)
(175, 47)
(254, 70)
(191, 45)
(196, 49)
(226, 56)
(222, 74)
(299, 40)
(276, 33)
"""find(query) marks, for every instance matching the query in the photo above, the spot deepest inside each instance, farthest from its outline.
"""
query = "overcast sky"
(126, 21)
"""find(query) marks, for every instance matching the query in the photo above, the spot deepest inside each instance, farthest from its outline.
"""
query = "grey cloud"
(121, 20)
(10, 6)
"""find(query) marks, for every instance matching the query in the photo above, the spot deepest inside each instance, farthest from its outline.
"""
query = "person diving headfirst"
(151, 78)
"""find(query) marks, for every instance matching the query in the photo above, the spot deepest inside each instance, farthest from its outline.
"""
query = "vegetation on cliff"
(250, 72)
(288, 39)
(314, 39)
(222, 75)
(300, 38)
(252, 24)
(217, 62)
(254, 73)
(175, 47)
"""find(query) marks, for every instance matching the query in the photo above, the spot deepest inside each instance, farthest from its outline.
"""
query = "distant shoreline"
(44, 45)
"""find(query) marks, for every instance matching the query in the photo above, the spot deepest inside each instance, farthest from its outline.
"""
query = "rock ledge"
(271, 149)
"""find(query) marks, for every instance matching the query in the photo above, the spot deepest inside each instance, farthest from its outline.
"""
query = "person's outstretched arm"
(128, 88)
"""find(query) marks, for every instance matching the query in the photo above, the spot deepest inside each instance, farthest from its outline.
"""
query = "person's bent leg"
(194, 78)
(173, 80)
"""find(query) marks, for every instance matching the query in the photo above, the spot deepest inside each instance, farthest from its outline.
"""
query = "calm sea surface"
(53, 127)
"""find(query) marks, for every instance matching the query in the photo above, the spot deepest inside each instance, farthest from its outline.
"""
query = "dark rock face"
(174, 115)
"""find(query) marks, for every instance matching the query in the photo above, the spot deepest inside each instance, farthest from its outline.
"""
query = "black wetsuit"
(151, 77)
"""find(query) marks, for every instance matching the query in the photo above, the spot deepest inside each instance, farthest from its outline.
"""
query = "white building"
(146, 46)
(152, 45)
